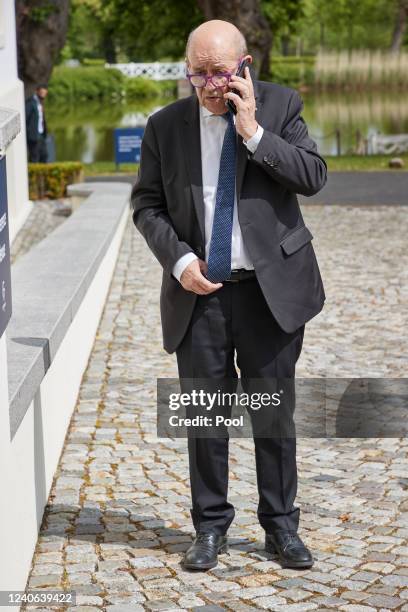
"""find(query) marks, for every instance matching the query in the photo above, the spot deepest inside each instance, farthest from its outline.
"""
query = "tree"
(346, 24)
(284, 18)
(41, 32)
(248, 17)
(150, 30)
(400, 24)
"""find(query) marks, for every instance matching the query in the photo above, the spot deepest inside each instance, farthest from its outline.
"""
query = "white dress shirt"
(212, 131)
(40, 115)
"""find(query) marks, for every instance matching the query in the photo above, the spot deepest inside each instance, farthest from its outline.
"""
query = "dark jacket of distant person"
(32, 117)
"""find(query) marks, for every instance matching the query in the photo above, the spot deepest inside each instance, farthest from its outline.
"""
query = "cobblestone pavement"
(118, 521)
(45, 216)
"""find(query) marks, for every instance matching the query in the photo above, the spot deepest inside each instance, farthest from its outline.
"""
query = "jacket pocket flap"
(296, 239)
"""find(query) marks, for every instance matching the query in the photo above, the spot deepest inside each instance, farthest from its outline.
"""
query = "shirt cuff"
(182, 263)
(253, 142)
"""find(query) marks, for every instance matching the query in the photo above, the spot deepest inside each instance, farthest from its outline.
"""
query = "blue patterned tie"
(219, 258)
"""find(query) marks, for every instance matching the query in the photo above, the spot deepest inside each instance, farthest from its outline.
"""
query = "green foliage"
(98, 83)
(51, 180)
(85, 83)
(108, 168)
(346, 24)
(141, 88)
(40, 14)
(366, 163)
(130, 31)
(283, 16)
(149, 31)
(93, 61)
(308, 60)
(85, 33)
(137, 88)
(292, 71)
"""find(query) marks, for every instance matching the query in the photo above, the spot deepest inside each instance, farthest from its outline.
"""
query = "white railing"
(388, 145)
(157, 71)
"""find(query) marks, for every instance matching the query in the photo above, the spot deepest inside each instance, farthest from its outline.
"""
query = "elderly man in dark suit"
(216, 202)
(36, 125)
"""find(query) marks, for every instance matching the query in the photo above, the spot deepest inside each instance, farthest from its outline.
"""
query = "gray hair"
(240, 42)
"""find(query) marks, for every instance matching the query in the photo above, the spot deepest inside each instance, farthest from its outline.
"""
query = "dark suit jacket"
(31, 113)
(168, 207)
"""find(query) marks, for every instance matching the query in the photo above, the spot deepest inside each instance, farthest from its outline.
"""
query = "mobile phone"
(240, 72)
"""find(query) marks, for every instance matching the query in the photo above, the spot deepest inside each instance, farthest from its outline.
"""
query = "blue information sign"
(5, 274)
(128, 143)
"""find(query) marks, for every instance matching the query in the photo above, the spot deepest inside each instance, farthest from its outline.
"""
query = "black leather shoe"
(289, 548)
(203, 552)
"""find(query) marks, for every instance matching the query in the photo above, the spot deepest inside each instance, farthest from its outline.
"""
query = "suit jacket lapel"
(192, 152)
(242, 151)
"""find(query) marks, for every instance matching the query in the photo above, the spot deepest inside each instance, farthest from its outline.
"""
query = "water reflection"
(85, 131)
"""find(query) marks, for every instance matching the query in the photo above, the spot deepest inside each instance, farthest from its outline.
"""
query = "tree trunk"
(248, 17)
(322, 33)
(399, 26)
(109, 47)
(41, 33)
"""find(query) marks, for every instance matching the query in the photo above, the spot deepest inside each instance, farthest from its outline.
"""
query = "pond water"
(85, 131)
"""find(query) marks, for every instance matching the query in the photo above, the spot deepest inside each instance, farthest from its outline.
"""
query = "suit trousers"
(37, 150)
(235, 323)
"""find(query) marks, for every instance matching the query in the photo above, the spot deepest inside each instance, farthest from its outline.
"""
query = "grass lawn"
(107, 168)
(348, 163)
(344, 163)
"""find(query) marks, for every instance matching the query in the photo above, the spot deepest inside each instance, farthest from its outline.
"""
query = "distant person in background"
(36, 126)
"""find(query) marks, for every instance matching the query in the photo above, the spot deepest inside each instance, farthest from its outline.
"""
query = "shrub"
(98, 83)
(141, 88)
(293, 71)
(51, 180)
(86, 83)
(91, 61)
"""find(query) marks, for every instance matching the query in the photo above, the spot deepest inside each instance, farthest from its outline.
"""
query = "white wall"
(6, 536)
(33, 455)
(12, 96)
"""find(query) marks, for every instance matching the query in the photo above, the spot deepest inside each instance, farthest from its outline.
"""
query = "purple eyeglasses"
(218, 80)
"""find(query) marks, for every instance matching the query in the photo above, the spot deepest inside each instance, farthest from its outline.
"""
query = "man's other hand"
(192, 278)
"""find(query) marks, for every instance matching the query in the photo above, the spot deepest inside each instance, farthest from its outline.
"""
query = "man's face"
(42, 92)
(210, 62)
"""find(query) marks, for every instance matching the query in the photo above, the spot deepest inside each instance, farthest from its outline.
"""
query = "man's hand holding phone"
(244, 102)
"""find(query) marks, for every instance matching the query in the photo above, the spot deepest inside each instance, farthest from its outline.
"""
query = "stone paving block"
(270, 602)
(356, 608)
(395, 580)
(122, 598)
(88, 600)
(145, 563)
(300, 607)
(251, 593)
(354, 596)
(190, 601)
(83, 609)
(365, 576)
(49, 580)
(208, 609)
(164, 604)
(238, 606)
(125, 608)
(297, 594)
(383, 601)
